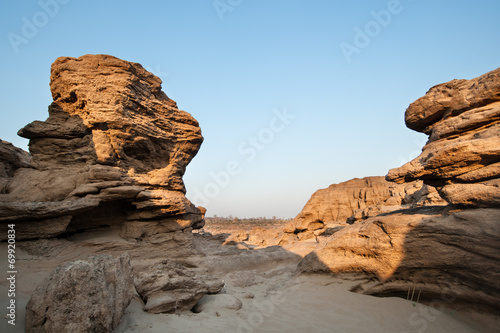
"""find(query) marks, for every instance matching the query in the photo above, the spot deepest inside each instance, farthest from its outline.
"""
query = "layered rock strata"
(462, 156)
(353, 200)
(111, 153)
(450, 255)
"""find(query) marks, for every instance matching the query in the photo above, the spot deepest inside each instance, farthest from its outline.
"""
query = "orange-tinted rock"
(451, 99)
(356, 198)
(114, 148)
(462, 156)
(444, 253)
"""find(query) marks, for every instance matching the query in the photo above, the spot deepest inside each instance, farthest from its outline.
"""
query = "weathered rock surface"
(462, 156)
(82, 296)
(11, 159)
(356, 199)
(449, 254)
(453, 98)
(214, 303)
(114, 148)
(426, 196)
(457, 254)
(170, 287)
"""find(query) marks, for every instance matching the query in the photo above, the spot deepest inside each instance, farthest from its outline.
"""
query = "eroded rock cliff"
(449, 254)
(340, 201)
(356, 199)
(111, 153)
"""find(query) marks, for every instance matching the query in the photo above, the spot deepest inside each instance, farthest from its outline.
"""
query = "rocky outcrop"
(111, 153)
(170, 287)
(352, 200)
(82, 296)
(449, 254)
(451, 99)
(462, 156)
(453, 254)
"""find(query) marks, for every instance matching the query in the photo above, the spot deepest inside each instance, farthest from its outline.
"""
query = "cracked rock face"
(114, 148)
(462, 156)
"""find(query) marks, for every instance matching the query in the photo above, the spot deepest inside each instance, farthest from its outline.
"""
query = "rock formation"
(356, 199)
(454, 256)
(448, 254)
(169, 287)
(82, 296)
(462, 156)
(111, 153)
(105, 176)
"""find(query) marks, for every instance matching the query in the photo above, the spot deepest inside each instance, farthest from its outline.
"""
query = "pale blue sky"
(235, 64)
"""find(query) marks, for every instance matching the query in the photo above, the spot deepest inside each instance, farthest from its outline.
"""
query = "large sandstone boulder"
(82, 296)
(114, 148)
(462, 156)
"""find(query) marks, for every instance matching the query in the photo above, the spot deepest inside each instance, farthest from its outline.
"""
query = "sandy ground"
(273, 297)
(304, 304)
